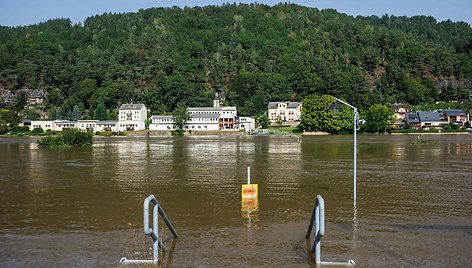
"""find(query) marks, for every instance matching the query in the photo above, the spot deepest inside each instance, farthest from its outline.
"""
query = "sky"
(26, 12)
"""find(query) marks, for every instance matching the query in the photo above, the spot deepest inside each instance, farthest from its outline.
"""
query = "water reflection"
(409, 196)
(249, 210)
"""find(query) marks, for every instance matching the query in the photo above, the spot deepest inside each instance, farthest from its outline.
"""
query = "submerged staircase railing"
(154, 231)
(318, 220)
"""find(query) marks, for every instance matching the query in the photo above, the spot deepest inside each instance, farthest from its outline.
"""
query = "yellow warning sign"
(249, 191)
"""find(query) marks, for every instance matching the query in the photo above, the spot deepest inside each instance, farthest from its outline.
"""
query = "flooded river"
(83, 207)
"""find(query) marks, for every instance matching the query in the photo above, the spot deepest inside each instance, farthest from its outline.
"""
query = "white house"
(202, 122)
(56, 125)
(106, 126)
(197, 121)
(228, 118)
(201, 118)
(226, 115)
(132, 117)
(97, 126)
(45, 125)
(87, 125)
(162, 122)
(247, 124)
(286, 112)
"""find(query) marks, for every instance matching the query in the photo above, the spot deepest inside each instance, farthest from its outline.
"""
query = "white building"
(97, 126)
(107, 126)
(201, 118)
(60, 125)
(56, 125)
(162, 122)
(197, 121)
(226, 115)
(44, 124)
(85, 125)
(132, 117)
(228, 118)
(247, 124)
(286, 112)
(202, 122)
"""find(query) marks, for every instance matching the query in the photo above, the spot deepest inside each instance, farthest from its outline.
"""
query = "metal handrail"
(154, 231)
(318, 219)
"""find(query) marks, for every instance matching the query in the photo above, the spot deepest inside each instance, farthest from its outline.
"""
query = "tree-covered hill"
(254, 53)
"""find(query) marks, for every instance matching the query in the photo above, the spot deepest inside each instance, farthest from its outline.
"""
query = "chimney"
(216, 101)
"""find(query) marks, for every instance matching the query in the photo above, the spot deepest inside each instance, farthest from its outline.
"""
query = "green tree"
(8, 120)
(180, 116)
(100, 113)
(20, 100)
(263, 120)
(278, 121)
(378, 118)
(54, 97)
(75, 114)
(37, 131)
(317, 115)
(30, 113)
(71, 137)
(56, 114)
(252, 53)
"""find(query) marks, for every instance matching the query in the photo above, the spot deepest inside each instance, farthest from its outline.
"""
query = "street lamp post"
(334, 109)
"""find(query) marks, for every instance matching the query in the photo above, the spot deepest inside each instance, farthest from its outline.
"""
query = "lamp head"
(334, 108)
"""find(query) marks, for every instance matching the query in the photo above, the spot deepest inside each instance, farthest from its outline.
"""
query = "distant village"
(134, 117)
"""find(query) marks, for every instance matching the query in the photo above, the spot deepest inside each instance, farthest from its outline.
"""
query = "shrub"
(37, 131)
(51, 142)
(19, 130)
(69, 138)
(177, 132)
(77, 138)
(105, 134)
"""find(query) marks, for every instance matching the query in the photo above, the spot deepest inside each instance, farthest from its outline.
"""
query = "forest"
(253, 53)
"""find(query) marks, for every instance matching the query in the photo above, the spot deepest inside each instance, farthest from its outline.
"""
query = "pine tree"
(101, 112)
(75, 114)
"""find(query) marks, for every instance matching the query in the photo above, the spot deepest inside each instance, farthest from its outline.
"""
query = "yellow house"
(287, 113)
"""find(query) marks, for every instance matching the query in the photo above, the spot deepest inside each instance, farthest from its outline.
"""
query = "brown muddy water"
(83, 207)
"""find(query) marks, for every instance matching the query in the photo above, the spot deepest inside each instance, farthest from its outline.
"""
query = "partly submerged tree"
(71, 137)
(378, 118)
(317, 115)
(180, 116)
